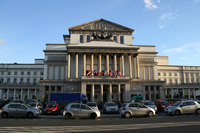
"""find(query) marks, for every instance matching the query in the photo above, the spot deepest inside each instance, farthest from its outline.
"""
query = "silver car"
(93, 105)
(136, 109)
(80, 110)
(37, 106)
(110, 107)
(18, 110)
(183, 107)
(150, 104)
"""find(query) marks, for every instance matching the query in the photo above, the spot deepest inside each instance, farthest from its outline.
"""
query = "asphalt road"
(107, 123)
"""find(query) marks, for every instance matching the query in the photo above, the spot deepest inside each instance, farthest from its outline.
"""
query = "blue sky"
(173, 26)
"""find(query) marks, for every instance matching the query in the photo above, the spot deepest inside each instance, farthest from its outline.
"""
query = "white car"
(93, 105)
(110, 107)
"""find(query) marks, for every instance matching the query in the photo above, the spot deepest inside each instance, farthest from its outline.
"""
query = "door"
(133, 108)
(85, 111)
(142, 110)
(75, 109)
(21, 110)
(11, 110)
(192, 107)
(185, 108)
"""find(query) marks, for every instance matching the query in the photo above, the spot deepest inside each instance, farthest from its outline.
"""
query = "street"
(107, 123)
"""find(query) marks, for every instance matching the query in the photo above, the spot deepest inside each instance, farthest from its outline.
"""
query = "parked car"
(136, 109)
(53, 108)
(37, 106)
(183, 107)
(161, 104)
(110, 107)
(18, 110)
(30, 101)
(80, 110)
(150, 104)
(93, 105)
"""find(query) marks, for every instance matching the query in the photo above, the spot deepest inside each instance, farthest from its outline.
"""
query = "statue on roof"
(102, 36)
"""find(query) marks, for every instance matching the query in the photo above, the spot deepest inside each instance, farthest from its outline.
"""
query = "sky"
(173, 26)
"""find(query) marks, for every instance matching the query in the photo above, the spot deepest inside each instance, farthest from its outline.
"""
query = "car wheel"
(177, 112)
(150, 114)
(30, 115)
(198, 112)
(68, 116)
(93, 116)
(127, 115)
(4, 115)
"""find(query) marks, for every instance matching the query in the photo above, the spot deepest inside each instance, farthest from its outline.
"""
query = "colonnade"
(121, 64)
(148, 90)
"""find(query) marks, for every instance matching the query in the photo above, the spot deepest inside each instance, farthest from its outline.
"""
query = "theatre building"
(97, 59)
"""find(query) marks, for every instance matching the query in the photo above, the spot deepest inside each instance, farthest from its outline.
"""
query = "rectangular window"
(15, 81)
(170, 81)
(121, 39)
(2, 73)
(8, 81)
(88, 38)
(115, 38)
(28, 81)
(164, 74)
(175, 74)
(170, 74)
(35, 73)
(176, 81)
(9, 73)
(41, 73)
(15, 73)
(158, 74)
(28, 73)
(81, 38)
(22, 73)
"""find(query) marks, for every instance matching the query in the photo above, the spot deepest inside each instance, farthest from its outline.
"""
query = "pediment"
(101, 24)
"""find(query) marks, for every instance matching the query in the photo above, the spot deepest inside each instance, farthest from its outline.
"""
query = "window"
(170, 81)
(164, 74)
(170, 74)
(35, 73)
(22, 73)
(15, 81)
(176, 81)
(15, 73)
(121, 39)
(132, 105)
(12, 106)
(21, 81)
(84, 107)
(197, 75)
(88, 38)
(28, 73)
(75, 106)
(158, 74)
(2, 73)
(34, 81)
(175, 74)
(115, 38)
(9, 73)
(1, 81)
(81, 38)
(28, 81)
(8, 81)
(41, 73)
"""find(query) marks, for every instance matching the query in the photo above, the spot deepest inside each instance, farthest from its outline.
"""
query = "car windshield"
(91, 104)
(51, 105)
(148, 103)
(165, 103)
(32, 105)
(111, 104)
(177, 103)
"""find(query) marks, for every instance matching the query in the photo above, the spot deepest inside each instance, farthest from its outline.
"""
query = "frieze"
(101, 50)
(146, 59)
(90, 32)
(100, 26)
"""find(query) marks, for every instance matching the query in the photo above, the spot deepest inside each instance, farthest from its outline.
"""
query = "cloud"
(192, 46)
(1, 41)
(158, 1)
(149, 4)
(195, 1)
(165, 19)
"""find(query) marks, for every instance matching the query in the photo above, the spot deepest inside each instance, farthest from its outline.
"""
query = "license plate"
(49, 112)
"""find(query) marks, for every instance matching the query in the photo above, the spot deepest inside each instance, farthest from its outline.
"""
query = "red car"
(52, 108)
(161, 104)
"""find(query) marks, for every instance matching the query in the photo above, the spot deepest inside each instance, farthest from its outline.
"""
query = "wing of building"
(99, 60)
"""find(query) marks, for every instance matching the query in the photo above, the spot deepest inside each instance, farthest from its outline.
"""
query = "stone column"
(110, 93)
(144, 93)
(84, 65)
(92, 93)
(83, 88)
(119, 93)
(107, 63)
(148, 72)
(0, 93)
(194, 93)
(22, 95)
(130, 66)
(7, 97)
(14, 95)
(137, 66)
(56, 89)
(92, 63)
(99, 64)
(115, 62)
(154, 92)
(69, 65)
(101, 92)
(120, 64)
(143, 73)
(188, 93)
(123, 74)
(76, 65)
(153, 75)
(28, 94)
(149, 90)
(35, 93)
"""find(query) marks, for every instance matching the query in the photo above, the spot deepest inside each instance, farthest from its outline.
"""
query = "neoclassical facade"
(97, 59)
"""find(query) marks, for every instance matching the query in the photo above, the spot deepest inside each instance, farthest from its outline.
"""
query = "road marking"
(57, 129)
